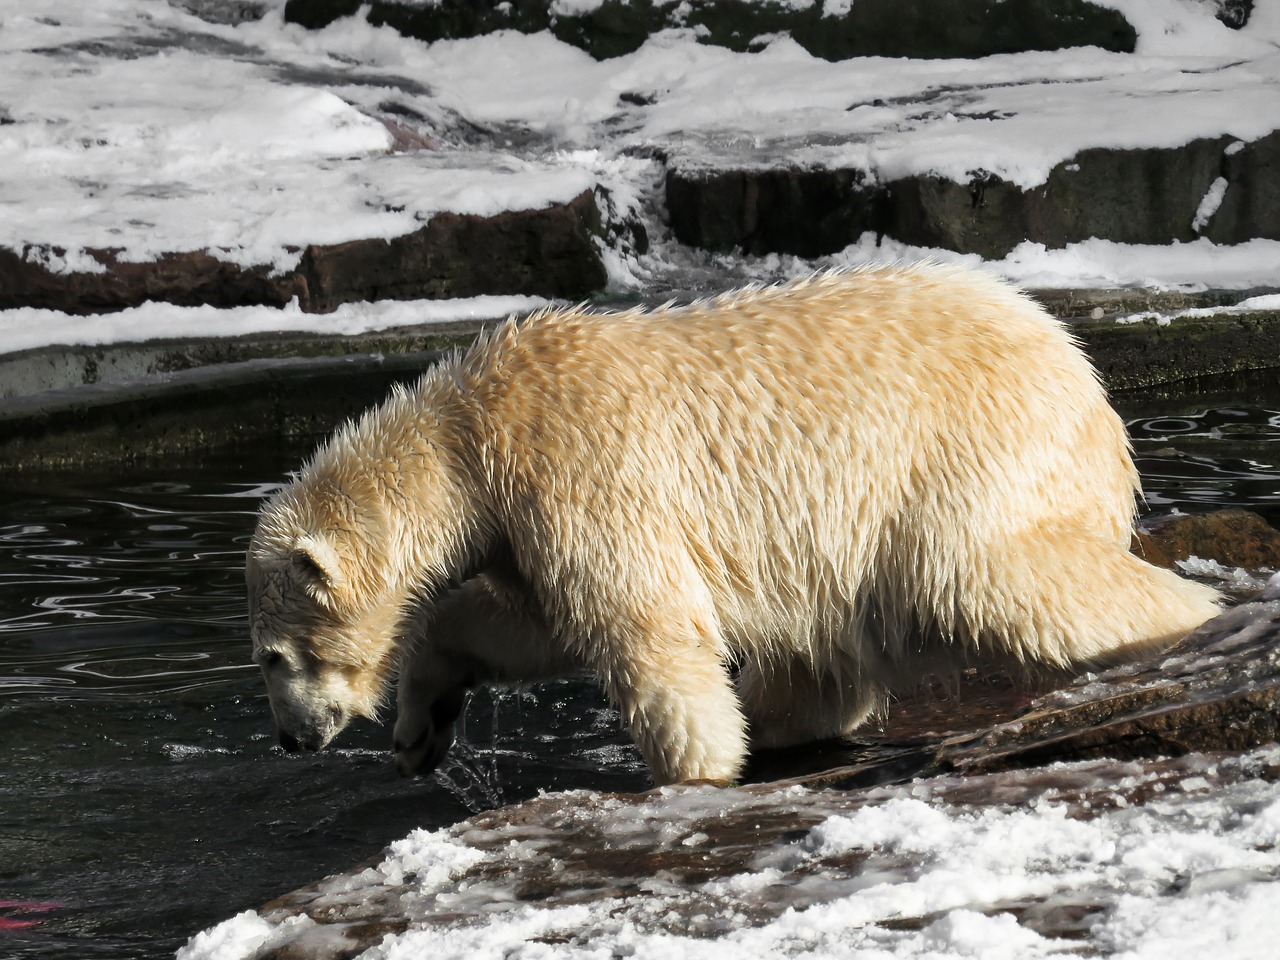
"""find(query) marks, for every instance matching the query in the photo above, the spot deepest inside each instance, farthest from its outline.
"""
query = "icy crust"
(1073, 860)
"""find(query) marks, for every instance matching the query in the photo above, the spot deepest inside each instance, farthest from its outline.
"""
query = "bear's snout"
(310, 731)
(310, 742)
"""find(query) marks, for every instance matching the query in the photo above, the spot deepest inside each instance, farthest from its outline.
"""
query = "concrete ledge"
(76, 408)
(59, 368)
(195, 410)
(1149, 354)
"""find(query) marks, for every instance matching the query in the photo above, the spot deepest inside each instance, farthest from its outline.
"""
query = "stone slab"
(550, 252)
(878, 28)
(1137, 196)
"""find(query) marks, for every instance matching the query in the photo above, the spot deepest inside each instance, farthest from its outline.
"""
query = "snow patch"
(26, 328)
(1209, 204)
(244, 935)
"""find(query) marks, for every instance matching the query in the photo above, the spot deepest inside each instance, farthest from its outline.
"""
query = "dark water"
(141, 796)
(140, 790)
(1206, 458)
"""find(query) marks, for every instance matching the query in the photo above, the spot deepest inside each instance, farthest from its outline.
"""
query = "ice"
(1229, 578)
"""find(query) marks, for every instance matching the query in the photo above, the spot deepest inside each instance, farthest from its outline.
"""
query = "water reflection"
(1210, 458)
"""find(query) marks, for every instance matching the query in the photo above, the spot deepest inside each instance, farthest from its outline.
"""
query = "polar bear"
(825, 489)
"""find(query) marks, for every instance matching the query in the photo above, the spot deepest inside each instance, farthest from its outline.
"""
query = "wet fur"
(839, 484)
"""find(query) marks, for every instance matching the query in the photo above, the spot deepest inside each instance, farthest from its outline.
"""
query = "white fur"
(837, 485)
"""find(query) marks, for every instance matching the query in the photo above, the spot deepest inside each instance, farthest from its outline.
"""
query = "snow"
(28, 327)
(1209, 204)
(1197, 265)
(430, 857)
(908, 873)
(240, 936)
(134, 126)
(125, 140)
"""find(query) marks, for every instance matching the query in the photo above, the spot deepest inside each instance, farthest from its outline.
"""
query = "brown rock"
(1234, 538)
(187, 279)
(549, 252)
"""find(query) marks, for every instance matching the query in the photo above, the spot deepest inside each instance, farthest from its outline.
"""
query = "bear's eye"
(268, 658)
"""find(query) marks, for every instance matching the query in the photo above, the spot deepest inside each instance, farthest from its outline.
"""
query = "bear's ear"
(318, 567)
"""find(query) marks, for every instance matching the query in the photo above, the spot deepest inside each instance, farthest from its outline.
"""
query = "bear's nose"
(289, 742)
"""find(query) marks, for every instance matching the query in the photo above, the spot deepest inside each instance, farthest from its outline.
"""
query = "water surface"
(141, 793)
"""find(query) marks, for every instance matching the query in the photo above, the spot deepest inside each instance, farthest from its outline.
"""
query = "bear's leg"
(672, 687)
(788, 702)
(1063, 596)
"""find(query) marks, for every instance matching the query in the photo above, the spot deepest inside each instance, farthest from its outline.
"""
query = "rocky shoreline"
(699, 192)
(680, 861)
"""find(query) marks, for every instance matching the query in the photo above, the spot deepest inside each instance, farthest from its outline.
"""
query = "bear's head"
(323, 613)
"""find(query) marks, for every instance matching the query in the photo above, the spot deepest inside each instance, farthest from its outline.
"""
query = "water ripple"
(1210, 458)
(135, 591)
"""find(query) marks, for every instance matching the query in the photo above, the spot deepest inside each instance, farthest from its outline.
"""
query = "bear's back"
(787, 439)
(868, 363)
